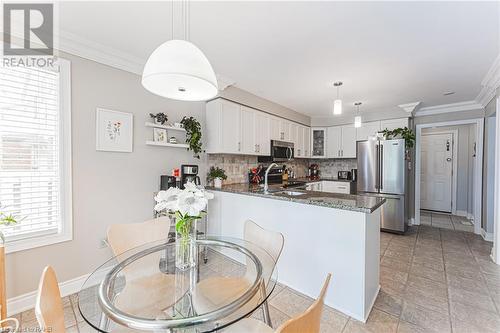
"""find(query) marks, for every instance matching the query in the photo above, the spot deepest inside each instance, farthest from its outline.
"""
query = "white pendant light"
(177, 69)
(357, 118)
(337, 104)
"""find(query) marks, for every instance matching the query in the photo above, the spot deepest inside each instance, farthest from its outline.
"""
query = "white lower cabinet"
(330, 186)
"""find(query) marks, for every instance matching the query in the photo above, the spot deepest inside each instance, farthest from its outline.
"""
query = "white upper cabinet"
(292, 137)
(248, 143)
(223, 114)
(367, 130)
(341, 142)
(284, 130)
(334, 142)
(318, 142)
(263, 133)
(307, 142)
(348, 149)
(275, 128)
(393, 123)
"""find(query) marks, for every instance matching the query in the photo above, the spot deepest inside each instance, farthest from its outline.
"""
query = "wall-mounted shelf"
(166, 144)
(172, 128)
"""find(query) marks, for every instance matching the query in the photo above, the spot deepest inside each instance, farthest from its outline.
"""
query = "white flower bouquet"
(187, 205)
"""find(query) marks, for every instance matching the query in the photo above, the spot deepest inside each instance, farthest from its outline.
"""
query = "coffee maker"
(189, 173)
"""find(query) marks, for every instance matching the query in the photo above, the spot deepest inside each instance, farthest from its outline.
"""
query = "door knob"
(448, 159)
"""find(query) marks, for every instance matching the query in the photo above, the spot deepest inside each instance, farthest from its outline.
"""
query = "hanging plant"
(193, 135)
(403, 133)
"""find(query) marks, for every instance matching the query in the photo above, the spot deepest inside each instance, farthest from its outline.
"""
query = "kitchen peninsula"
(324, 232)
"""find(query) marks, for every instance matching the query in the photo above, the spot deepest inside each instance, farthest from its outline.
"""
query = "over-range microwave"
(281, 151)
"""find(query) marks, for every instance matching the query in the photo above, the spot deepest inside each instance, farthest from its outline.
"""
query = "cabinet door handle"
(258, 148)
(338, 153)
(342, 152)
(239, 146)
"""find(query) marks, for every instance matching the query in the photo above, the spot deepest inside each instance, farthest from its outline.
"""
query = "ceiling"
(386, 53)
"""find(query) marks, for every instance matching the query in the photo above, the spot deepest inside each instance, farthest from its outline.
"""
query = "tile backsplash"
(237, 166)
(331, 167)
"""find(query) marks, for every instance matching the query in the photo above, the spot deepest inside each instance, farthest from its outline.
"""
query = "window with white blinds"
(32, 152)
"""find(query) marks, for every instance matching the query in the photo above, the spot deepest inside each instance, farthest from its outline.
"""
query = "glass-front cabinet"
(318, 138)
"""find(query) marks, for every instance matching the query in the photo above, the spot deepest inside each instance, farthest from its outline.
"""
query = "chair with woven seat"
(215, 292)
(307, 322)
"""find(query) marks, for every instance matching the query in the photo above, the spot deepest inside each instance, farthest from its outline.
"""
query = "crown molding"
(84, 48)
(490, 83)
(447, 108)
(410, 107)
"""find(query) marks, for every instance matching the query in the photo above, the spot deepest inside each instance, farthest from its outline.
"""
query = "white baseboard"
(487, 236)
(27, 301)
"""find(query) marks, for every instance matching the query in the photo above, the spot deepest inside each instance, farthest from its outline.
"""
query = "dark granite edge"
(380, 202)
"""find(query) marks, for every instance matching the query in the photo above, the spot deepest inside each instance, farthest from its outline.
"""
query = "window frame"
(44, 238)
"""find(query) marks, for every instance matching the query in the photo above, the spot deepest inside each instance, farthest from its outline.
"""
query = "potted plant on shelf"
(193, 134)
(217, 175)
(159, 118)
(187, 206)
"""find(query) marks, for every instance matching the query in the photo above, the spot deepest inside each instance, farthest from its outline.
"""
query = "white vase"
(218, 182)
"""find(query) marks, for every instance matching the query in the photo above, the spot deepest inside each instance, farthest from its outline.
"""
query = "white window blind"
(30, 148)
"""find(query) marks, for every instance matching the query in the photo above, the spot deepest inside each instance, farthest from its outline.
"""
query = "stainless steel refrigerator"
(382, 172)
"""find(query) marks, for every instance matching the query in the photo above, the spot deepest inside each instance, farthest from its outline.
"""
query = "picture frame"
(160, 135)
(114, 131)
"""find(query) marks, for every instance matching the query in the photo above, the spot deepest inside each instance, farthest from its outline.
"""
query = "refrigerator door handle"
(377, 150)
(381, 179)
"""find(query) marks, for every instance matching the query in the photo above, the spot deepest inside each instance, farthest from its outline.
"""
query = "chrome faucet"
(266, 186)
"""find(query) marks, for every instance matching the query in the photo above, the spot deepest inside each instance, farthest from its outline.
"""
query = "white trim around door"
(478, 166)
(495, 253)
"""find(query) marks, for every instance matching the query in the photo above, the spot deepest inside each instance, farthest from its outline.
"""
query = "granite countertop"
(357, 203)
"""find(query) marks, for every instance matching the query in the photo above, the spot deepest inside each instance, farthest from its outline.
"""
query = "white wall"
(107, 187)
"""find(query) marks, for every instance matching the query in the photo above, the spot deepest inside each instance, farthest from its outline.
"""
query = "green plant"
(216, 172)
(6, 219)
(193, 135)
(402, 132)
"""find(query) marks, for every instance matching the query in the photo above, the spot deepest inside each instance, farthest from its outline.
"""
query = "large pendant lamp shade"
(177, 69)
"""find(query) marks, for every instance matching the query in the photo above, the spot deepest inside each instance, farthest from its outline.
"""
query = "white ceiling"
(386, 53)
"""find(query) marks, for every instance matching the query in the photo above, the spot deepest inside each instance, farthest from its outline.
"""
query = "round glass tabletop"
(142, 290)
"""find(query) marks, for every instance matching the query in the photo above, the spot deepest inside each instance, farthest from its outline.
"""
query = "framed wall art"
(114, 130)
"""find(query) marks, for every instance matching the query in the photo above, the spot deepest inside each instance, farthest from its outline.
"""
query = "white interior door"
(436, 172)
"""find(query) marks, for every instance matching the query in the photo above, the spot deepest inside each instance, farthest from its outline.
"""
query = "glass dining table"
(141, 290)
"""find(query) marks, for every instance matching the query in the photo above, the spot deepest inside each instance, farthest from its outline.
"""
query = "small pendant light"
(357, 118)
(178, 70)
(337, 104)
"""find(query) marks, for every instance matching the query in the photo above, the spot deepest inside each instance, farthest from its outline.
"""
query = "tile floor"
(432, 280)
(446, 221)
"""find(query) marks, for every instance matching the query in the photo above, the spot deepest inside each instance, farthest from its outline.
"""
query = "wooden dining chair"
(147, 289)
(49, 308)
(307, 322)
(212, 293)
